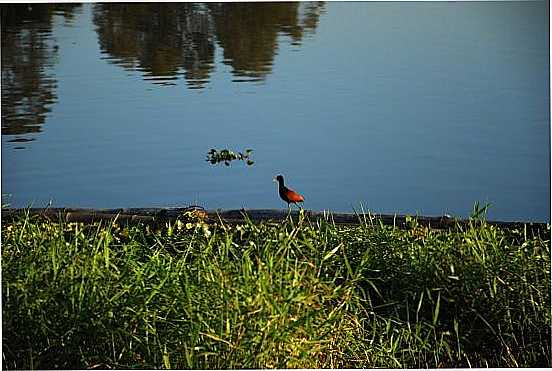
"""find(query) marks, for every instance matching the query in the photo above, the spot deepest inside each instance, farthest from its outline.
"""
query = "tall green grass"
(293, 294)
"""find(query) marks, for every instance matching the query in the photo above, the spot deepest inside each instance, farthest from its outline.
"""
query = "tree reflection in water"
(158, 39)
(163, 41)
(28, 89)
(166, 40)
(248, 33)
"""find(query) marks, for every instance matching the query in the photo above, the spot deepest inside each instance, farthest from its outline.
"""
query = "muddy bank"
(163, 215)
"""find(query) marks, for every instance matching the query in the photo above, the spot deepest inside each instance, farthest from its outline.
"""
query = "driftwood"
(159, 216)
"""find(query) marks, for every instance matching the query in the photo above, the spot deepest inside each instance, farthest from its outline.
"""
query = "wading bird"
(288, 195)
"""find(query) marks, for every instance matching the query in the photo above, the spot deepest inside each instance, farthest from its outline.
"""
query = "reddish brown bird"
(287, 194)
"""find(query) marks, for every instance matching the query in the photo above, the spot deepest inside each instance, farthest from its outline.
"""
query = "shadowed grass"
(294, 294)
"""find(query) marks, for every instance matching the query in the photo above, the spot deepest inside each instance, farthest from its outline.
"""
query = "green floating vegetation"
(297, 294)
(215, 157)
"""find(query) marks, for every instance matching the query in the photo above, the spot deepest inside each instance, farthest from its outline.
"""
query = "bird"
(287, 194)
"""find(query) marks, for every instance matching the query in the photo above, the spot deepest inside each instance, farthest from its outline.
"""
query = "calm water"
(418, 107)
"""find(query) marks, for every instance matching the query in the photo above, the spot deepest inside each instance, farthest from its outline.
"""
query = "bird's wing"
(294, 196)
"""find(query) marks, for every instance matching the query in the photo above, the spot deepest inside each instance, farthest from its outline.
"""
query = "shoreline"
(237, 216)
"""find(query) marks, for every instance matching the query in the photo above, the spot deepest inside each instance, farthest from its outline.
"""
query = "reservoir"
(402, 107)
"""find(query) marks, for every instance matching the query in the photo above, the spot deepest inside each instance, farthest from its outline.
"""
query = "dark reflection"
(28, 89)
(168, 39)
(20, 140)
(158, 39)
(248, 33)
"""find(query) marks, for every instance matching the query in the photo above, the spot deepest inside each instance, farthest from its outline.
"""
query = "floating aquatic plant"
(214, 156)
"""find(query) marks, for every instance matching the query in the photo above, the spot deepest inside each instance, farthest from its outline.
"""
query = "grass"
(287, 295)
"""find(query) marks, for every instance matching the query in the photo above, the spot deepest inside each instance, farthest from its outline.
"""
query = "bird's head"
(278, 178)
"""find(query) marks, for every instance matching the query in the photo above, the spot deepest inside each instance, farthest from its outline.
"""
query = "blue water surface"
(406, 107)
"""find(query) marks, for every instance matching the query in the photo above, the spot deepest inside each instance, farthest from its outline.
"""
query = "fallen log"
(159, 216)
